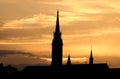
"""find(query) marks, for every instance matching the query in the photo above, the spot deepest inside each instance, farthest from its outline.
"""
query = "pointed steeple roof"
(91, 56)
(68, 61)
(57, 29)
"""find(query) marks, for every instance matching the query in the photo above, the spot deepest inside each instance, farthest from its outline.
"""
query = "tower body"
(57, 45)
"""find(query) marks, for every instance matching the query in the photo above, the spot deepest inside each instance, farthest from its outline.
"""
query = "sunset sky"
(27, 26)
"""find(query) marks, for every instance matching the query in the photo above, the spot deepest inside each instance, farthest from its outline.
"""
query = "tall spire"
(91, 56)
(57, 45)
(57, 23)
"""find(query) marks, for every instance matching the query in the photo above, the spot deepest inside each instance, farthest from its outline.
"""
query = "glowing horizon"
(29, 28)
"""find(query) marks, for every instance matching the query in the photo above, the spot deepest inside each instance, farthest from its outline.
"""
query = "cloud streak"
(13, 52)
(30, 27)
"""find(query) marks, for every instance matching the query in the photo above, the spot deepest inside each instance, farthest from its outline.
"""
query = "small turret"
(91, 58)
(69, 61)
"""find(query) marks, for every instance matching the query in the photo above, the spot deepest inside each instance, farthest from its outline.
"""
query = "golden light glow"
(83, 23)
(80, 60)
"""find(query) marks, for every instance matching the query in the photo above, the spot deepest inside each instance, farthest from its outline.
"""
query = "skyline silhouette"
(26, 30)
(57, 70)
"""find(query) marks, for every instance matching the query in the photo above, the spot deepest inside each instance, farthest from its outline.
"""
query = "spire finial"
(91, 49)
(91, 56)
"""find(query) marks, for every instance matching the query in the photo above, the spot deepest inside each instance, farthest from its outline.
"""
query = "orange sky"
(28, 26)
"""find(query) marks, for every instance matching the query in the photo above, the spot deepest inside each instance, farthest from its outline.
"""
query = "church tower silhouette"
(57, 45)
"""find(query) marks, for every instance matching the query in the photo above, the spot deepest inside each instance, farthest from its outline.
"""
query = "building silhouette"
(57, 45)
(59, 71)
(8, 72)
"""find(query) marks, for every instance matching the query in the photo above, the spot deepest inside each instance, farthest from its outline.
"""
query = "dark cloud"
(21, 59)
(12, 52)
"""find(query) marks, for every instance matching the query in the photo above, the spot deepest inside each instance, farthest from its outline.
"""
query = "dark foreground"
(83, 71)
